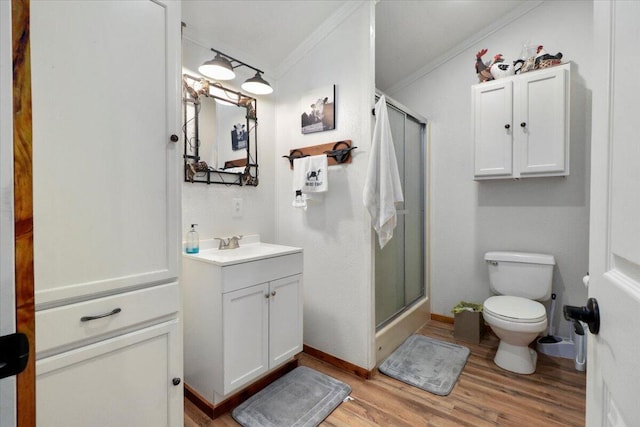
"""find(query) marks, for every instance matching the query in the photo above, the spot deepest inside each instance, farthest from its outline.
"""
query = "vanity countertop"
(251, 249)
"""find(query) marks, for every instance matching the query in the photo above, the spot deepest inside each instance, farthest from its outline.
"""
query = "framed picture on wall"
(318, 110)
(239, 137)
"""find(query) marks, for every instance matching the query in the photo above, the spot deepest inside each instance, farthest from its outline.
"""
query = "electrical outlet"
(236, 208)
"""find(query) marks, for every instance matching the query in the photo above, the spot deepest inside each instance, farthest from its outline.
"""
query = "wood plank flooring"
(484, 395)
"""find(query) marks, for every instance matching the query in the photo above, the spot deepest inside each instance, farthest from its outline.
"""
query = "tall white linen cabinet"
(106, 184)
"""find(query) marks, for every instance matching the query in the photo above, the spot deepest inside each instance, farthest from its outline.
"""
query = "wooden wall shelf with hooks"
(337, 152)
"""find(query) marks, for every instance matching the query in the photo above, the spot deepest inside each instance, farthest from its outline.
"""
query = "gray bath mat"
(303, 397)
(426, 363)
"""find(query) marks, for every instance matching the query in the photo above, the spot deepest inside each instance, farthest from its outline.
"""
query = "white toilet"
(520, 280)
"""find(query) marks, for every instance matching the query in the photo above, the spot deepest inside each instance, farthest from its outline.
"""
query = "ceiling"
(410, 35)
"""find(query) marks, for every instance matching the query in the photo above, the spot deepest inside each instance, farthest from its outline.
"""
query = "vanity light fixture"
(257, 85)
(218, 68)
(221, 68)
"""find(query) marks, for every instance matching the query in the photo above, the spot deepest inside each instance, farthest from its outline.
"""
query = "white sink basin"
(245, 253)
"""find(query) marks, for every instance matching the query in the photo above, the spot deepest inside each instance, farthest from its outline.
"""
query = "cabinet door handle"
(100, 316)
(266, 295)
(174, 138)
(507, 126)
(273, 294)
(523, 124)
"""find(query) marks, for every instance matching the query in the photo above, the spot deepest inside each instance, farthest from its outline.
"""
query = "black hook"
(295, 154)
(341, 155)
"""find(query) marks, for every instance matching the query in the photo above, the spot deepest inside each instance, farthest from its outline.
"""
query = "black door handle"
(14, 354)
(590, 314)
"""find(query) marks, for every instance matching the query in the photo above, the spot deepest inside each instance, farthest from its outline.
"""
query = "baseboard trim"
(214, 411)
(441, 318)
(201, 403)
(338, 363)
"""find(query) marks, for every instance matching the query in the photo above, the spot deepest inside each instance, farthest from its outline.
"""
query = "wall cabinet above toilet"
(520, 125)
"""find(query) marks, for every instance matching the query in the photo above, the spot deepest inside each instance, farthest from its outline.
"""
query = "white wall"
(548, 215)
(210, 206)
(335, 233)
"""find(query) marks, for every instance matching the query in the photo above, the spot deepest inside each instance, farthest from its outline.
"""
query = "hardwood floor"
(484, 395)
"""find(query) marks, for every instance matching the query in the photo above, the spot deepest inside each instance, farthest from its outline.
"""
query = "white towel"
(316, 179)
(382, 188)
(309, 177)
(300, 166)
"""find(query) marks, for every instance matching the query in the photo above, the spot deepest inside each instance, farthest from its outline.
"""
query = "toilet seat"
(514, 309)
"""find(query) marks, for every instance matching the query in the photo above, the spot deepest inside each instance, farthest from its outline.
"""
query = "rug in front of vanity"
(426, 363)
(303, 397)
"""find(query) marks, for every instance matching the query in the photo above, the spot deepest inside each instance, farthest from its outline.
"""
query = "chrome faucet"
(224, 243)
(234, 242)
(230, 243)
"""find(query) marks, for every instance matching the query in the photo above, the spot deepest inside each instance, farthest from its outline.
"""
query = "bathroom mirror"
(220, 135)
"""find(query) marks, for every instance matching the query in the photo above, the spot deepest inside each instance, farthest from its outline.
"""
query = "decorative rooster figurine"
(500, 68)
(484, 70)
(544, 60)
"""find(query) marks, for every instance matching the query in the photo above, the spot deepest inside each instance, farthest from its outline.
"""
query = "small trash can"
(468, 322)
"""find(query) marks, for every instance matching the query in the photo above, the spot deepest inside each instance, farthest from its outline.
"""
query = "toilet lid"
(515, 309)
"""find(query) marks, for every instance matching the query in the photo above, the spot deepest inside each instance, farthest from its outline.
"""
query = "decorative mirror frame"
(196, 170)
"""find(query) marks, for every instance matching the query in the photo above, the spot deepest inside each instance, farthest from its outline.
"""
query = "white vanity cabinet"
(242, 319)
(106, 193)
(521, 125)
(261, 329)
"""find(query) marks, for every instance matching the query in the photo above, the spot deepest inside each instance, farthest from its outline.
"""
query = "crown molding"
(517, 13)
(317, 36)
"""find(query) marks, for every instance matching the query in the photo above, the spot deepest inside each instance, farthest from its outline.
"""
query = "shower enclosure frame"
(399, 312)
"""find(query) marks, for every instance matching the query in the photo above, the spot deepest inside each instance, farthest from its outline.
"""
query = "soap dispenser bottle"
(193, 242)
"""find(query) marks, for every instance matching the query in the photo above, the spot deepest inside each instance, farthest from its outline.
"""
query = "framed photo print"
(318, 110)
(239, 137)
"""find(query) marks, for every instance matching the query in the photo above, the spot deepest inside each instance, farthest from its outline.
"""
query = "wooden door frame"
(23, 205)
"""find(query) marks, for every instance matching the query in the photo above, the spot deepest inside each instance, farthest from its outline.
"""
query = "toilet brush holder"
(581, 350)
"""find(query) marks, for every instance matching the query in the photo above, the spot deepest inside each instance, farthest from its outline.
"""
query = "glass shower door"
(399, 271)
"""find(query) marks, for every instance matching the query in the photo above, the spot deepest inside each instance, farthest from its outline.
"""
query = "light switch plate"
(236, 208)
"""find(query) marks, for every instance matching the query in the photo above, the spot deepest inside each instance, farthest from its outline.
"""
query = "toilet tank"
(521, 274)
